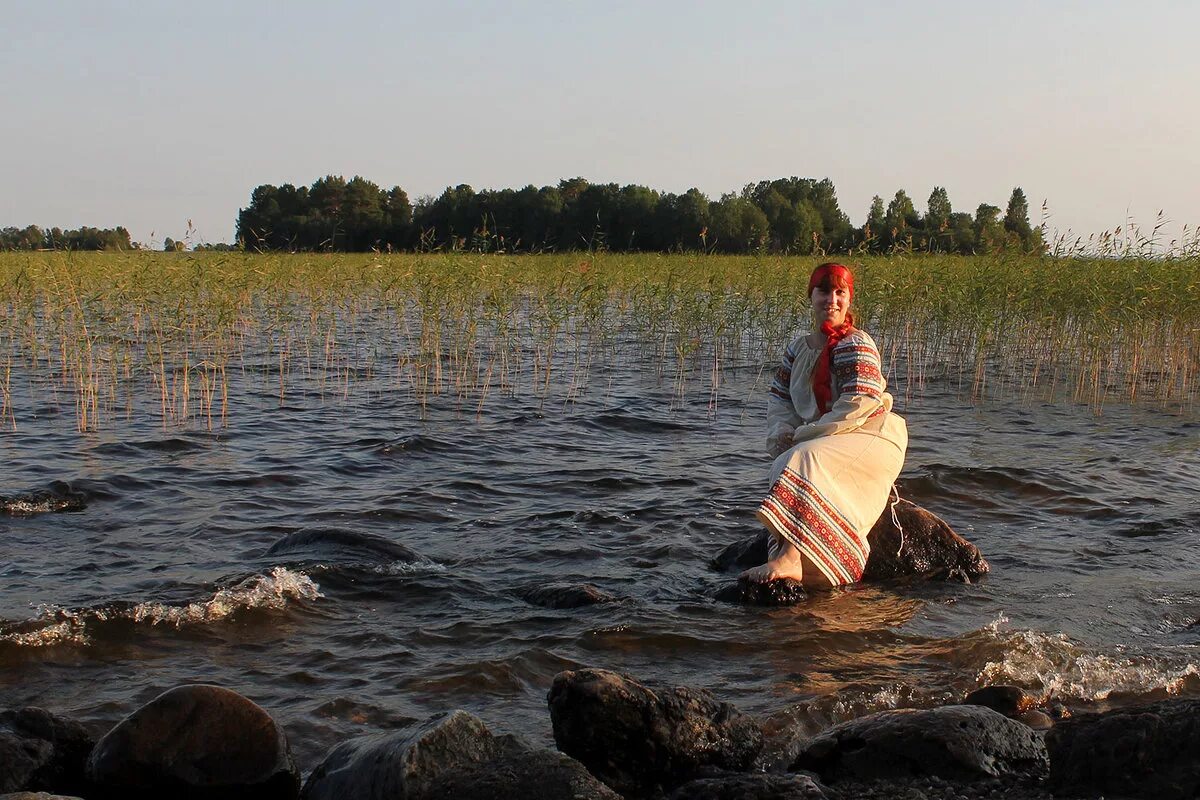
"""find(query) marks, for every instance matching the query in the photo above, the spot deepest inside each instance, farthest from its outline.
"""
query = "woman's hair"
(828, 278)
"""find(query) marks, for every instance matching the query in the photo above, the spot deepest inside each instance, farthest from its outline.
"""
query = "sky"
(151, 114)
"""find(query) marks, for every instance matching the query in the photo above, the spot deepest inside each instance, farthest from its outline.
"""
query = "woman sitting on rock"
(837, 445)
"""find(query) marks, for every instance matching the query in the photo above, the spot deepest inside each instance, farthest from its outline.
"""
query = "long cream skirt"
(827, 493)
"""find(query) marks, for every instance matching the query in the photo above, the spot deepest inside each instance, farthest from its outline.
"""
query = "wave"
(58, 496)
(272, 591)
(338, 545)
(1009, 488)
(1063, 669)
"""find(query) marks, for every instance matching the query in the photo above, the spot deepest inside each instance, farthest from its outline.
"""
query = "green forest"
(791, 216)
(797, 216)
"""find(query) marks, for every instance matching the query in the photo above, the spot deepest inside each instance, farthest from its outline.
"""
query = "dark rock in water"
(782, 592)
(41, 751)
(1150, 751)
(37, 796)
(1011, 701)
(561, 595)
(640, 740)
(335, 544)
(743, 554)
(923, 546)
(449, 755)
(196, 741)
(59, 497)
(961, 743)
(753, 786)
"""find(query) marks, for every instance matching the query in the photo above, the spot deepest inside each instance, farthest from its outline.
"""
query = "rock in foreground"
(196, 741)
(961, 743)
(40, 751)
(449, 755)
(1150, 751)
(641, 741)
(754, 786)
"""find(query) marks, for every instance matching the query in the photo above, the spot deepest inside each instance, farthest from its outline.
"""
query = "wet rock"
(521, 772)
(961, 743)
(1011, 701)
(640, 740)
(196, 741)
(561, 595)
(782, 592)
(754, 786)
(40, 751)
(1149, 751)
(1038, 720)
(923, 546)
(449, 755)
(58, 497)
(744, 554)
(37, 796)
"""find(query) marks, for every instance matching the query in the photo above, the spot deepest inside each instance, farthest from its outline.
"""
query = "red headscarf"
(829, 276)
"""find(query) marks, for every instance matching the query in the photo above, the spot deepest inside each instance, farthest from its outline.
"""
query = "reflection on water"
(354, 567)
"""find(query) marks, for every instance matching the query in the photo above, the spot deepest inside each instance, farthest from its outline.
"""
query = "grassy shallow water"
(188, 337)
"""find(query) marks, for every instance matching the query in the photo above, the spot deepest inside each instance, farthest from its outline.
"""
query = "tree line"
(34, 238)
(787, 215)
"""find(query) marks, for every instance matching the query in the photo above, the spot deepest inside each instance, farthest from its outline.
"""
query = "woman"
(837, 445)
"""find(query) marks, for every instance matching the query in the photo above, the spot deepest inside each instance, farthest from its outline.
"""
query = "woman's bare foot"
(787, 564)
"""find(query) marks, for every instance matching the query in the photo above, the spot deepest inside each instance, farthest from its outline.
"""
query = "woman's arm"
(782, 419)
(859, 378)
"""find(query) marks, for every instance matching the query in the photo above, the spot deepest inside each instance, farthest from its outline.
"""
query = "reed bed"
(188, 338)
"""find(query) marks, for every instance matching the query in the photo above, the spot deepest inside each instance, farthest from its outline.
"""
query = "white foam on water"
(271, 591)
(1066, 669)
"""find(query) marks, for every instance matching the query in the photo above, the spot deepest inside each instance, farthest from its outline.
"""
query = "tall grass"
(188, 337)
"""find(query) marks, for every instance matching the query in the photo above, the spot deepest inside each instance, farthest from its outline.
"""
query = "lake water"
(1089, 522)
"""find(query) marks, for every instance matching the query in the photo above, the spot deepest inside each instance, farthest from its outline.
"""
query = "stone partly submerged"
(643, 741)
(960, 743)
(1150, 751)
(565, 595)
(450, 755)
(907, 543)
(41, 751)
(198, 742)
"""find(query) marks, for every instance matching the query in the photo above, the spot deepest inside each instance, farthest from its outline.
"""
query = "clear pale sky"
(148, 114)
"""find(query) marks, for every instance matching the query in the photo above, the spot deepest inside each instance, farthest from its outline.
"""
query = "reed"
(190, 337)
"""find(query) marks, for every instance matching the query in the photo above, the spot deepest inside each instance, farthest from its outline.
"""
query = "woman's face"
(830, 306)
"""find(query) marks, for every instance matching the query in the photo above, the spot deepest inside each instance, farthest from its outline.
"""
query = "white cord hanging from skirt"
(896, 520)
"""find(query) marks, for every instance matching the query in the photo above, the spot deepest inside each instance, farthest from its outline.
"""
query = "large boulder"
(196, 741)
(1150, 751)
(922, 546)
(449, 755)
(961, 743)
(641, 741)
(40, 751)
